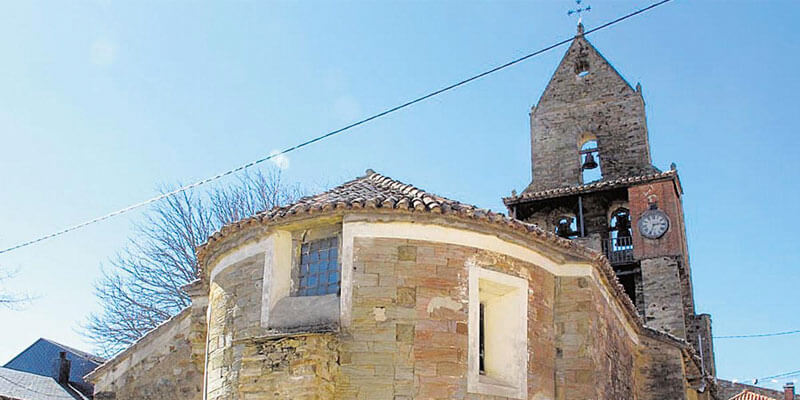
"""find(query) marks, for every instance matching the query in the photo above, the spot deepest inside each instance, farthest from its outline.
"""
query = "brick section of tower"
(666, 197)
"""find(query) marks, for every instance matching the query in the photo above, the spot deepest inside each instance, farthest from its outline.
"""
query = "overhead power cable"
(329, 134)
(758, 335)
(783, 375)
(754, 381)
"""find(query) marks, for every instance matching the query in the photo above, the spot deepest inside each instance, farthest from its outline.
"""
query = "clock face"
(653, 224)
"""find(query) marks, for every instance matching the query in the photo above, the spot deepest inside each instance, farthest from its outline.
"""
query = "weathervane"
(579, 10)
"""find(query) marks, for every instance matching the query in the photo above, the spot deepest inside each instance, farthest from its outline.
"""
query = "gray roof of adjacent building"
(20, 385)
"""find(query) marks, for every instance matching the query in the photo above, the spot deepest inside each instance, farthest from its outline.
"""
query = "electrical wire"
(329, 134)
(783, 375)
(758, 335)
(757, 380)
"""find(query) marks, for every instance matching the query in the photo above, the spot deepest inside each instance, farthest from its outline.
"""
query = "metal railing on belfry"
(618, 250)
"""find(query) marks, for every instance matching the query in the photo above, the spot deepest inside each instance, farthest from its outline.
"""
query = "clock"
(653, 224)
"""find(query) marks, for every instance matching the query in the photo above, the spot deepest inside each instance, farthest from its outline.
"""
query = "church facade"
(377, 289)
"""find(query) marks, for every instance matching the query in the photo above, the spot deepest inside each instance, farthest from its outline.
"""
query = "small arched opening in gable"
(589, 159)
(581, 67)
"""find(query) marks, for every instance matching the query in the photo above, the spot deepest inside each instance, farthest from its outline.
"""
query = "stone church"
(377, 289)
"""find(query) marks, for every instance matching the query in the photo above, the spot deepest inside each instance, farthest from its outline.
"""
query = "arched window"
(590, 162)
(566, 227)
(620, 227)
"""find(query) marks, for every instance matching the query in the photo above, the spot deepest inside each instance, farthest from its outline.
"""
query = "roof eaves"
(599, 185)
(80, 353)
(386, 194)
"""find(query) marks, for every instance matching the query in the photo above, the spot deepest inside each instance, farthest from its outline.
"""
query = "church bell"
(589, 162)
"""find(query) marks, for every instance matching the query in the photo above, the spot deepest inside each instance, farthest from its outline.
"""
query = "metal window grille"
(319, 267)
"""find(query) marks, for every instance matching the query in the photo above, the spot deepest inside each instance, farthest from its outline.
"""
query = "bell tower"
(587, 102)
(594, 182)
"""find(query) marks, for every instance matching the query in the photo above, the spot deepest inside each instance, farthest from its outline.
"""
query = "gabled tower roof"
(587, 99)
(582, 50)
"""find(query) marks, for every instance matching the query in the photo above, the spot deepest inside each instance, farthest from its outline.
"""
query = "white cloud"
(280, 160)
(103, 52)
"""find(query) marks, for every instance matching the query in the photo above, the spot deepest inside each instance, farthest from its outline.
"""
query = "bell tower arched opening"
(589, 154)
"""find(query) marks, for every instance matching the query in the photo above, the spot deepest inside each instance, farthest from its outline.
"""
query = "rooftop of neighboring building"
(730, 390)
(20, 385)
(41, 358)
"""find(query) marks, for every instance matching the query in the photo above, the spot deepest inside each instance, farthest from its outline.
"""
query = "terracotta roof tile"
(748, 395)
(599, 185)
(376, 191)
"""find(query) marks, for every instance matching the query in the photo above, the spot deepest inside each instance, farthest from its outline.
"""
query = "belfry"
(594, 183)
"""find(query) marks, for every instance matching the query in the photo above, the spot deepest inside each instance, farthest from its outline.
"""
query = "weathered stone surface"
(234, 315)
(574, 108)
(166, 364)
(595, 354)
(660, 371)
(304, 312)
(663, 299)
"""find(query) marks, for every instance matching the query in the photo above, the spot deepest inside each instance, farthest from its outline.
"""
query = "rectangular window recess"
(498, 334)
(319, 270)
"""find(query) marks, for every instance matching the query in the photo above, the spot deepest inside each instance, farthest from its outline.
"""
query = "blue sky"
(103, 101)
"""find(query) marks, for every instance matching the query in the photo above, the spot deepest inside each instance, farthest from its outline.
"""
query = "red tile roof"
(748, 395)
(600, 185)
(379, 192)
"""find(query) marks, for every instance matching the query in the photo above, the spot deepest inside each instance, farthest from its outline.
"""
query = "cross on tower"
(579, 9)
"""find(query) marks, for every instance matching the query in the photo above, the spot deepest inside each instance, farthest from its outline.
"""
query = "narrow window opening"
(482, 340)
(497, 334)
(630, 277)
(628, 282)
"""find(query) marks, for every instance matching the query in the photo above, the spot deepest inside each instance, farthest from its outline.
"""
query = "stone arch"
(586, 141)
(620, 224)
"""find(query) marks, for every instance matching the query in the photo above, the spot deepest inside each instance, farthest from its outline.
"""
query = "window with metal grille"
(319, 267)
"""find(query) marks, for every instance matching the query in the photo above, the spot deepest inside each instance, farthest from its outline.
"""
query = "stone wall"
(409, 334)
(594, 353)
(600, 105)
(235, 315)
(411, 303)
(663, 299)
(660, 371)
(167, 363)
(699, 335)
(297, 367)
(406, 334)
